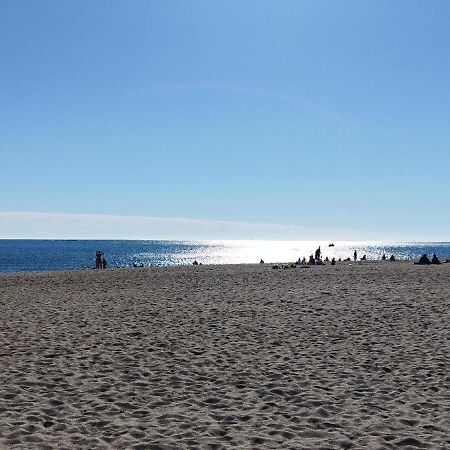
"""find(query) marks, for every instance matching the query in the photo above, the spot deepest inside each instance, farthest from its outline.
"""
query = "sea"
(49, 255)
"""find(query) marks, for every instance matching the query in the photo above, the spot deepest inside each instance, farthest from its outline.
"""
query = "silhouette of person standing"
(98, 259)
(318, 253)
(355, 255)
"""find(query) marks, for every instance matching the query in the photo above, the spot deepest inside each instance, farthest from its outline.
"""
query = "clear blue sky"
(314, 114)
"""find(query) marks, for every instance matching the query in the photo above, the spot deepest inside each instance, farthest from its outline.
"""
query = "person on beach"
(104, 263)
(318, 253)
(383, 258)
(333, 262)
(435, 259)
(98, 259)
(312, 261)
(424, 260)
(392, 258)
(355, 255)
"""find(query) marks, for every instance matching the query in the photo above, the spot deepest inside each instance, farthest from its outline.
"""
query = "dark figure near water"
(312, 261)
(104, 263)
(435, 259)
(383, 258)
(392, 258)
(355, 255)
(364, 258)
(424, 260)
(261, 261)
(195, 263)
(98, 259)
(333, 262)
(318, 253)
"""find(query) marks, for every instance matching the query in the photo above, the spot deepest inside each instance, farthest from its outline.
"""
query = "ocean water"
(41, 255)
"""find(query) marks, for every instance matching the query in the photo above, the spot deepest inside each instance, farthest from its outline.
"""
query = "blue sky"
(300, 115)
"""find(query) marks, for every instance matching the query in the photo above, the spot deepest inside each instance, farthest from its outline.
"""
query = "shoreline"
(266, 264)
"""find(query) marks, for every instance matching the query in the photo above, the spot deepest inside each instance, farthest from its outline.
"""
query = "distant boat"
(331, 245)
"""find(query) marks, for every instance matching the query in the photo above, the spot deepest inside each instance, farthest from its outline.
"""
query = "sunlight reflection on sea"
(38, 255)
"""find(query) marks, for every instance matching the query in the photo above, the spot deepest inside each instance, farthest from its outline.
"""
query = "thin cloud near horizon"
(51, 225)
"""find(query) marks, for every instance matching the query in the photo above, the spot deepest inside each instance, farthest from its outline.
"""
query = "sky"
(225, 119)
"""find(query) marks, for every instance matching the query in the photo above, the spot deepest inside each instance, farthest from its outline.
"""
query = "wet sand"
(352, 356)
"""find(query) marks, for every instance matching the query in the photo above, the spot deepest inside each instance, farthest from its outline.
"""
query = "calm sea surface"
(37, 255)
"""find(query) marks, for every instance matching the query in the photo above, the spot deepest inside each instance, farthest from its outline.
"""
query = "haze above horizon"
(271, 119)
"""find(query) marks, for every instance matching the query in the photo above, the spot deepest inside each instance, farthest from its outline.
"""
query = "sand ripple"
(347, 357)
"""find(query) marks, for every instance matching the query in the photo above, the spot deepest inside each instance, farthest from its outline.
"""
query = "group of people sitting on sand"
(316, 259)
(100, 261)
(424, 260)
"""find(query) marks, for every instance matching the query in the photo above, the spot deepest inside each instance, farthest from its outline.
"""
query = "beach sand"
(351, 356)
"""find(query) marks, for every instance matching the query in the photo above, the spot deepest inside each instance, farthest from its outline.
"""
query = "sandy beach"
(352, 356)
